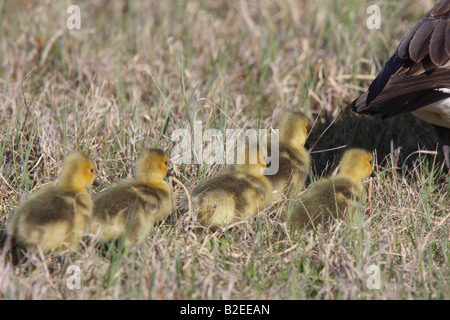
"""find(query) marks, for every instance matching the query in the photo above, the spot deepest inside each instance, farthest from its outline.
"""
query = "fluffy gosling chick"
(130, 208)
(237, 194)
(328, 198)
(55, 216)
(293, 159)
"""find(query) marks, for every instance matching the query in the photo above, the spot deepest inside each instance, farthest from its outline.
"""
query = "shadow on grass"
(400, 139)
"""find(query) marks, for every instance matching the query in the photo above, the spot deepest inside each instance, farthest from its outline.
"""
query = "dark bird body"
(416, 78)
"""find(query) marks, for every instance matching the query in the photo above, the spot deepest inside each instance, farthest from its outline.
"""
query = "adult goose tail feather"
(416, 78)
(421, 63)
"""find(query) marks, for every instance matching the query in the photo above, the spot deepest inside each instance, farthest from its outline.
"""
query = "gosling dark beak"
(169, 173)
(372, 174)
(95, 183)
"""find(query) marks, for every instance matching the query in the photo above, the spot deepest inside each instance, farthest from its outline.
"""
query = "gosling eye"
(166, 163)
(92, 170)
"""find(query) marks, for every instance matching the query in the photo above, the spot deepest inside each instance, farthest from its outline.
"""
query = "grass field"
(138, 70)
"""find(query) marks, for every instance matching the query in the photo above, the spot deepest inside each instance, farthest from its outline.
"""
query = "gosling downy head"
(356, 164)
(152, 166)
(78, 172)
(293, 129)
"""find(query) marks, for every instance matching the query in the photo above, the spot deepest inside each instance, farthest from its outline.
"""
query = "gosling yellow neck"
(250, 169)
(151, 179)
(354, 177)
(68, 183)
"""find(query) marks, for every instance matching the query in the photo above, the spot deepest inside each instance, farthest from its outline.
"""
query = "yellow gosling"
(237, 194)
(331, 198)
(131, 208)
(293, 164)
(56, 216)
